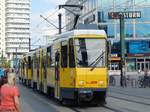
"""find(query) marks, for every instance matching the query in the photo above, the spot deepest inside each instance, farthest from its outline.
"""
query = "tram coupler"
(85, 95)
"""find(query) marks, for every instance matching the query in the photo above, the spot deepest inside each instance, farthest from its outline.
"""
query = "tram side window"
(23, 65)
(49, 57)
(35, 61)
(64, 59)
(71, 54)
(29, 62)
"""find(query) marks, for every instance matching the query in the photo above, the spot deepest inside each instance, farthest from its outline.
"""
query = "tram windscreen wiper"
(95, 62)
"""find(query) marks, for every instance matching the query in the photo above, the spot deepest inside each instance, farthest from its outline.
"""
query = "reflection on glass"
(90, 52)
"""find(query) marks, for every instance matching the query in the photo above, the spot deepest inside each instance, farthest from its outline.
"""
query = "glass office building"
(96, 11)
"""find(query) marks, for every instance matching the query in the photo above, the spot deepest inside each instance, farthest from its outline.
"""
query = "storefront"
(137, 64)
(137, 56)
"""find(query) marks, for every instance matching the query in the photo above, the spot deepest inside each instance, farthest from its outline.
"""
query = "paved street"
(119, 100)
(32, 101)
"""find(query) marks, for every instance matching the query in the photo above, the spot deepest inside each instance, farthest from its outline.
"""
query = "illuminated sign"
(139, 47)
(114, 55)
(127, 15)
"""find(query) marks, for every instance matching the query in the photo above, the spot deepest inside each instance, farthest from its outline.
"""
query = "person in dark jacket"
(146, 78)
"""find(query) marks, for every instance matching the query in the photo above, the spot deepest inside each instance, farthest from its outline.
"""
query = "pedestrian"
(145, 78)
(3, 80)
(9, 95)
(139, 72)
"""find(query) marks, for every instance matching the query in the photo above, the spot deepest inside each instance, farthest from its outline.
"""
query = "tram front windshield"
(90, 52)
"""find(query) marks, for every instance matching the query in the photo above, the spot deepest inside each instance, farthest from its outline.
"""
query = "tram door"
(57, 73)
(38, 70)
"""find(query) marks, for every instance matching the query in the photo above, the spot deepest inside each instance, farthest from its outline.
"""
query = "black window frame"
(64, 55)
(71, 53)
(29, 62)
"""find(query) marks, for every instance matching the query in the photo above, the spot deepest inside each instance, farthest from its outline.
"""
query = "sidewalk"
(131, 80)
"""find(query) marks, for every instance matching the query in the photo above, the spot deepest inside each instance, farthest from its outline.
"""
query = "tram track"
(112, 109)
(135, 98)
(130, 100)
(102, 106)
(138, 96)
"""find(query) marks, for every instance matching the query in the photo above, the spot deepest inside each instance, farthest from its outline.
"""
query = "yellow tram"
(26, 69)
(73, 67)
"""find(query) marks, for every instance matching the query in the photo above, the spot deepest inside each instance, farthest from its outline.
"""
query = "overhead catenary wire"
(36, 41)
(49, 21)
(48, 17)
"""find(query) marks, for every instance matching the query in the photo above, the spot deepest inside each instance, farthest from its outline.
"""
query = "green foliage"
(4, 62)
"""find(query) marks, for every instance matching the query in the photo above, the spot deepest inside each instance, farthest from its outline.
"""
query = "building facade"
(137, 55)
(136, 30)
(17, 27)
(2, 28)
(96, 11)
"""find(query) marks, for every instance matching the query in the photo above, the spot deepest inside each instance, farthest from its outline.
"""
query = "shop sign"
(127, 15)
(138, 55)
(114, 55)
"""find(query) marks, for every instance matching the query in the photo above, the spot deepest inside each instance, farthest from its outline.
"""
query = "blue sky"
(46, 8)
(43, 5)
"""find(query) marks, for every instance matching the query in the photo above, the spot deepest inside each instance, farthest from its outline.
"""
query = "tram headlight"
(101, 83)
(81, 83)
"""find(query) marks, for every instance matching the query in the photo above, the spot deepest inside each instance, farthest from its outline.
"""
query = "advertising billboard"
(139, 47)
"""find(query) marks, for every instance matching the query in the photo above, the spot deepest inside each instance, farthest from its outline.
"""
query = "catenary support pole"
(60, 22)
(122, 43)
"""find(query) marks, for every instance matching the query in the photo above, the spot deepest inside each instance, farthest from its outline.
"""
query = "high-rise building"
(2, 27)
(17, 27)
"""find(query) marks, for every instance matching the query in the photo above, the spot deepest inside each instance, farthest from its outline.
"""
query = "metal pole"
(29, 44)
(60, 22)
(16, 59)
(16, 52)
(134, 21)
(2, 58)
(110, 53)
(122, 43)
(115, 25)
(2, 54)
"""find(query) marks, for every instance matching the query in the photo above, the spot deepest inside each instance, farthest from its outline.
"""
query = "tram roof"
(77, 32)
